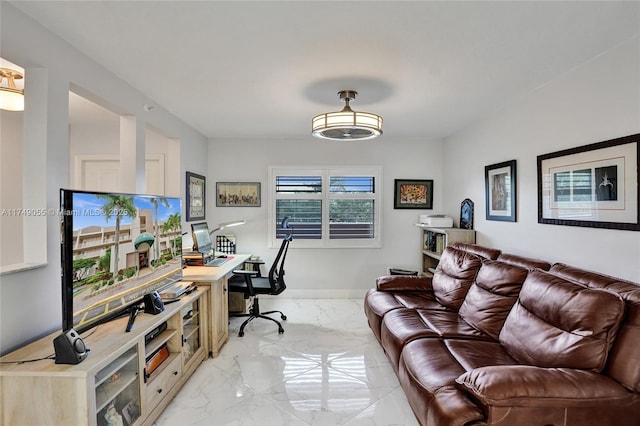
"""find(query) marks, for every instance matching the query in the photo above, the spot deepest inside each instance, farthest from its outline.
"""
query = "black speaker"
(70, 348)
(153, 303)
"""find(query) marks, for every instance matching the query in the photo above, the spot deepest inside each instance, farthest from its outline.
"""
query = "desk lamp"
(227, 225)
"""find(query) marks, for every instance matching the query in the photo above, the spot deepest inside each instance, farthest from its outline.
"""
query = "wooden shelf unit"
(112, 376)
(435, 240)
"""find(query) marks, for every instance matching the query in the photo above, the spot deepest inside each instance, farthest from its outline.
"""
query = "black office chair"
(252, 283)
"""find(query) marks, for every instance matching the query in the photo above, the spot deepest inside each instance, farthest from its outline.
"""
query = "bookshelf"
(434, 240)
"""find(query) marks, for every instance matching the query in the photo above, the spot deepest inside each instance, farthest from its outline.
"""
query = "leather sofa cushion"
(472, 354)
(427, 370)
(524, 262)
(627, 344)
(492, 296)
(557, 323)
(378, 303)
(401, 326)
(403, 283)
(484, 252)
(454, 275)
(525, 385)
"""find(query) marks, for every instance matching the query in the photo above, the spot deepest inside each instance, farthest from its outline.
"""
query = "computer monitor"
(201, 238)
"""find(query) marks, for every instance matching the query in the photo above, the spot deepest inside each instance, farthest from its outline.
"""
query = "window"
(327, 207)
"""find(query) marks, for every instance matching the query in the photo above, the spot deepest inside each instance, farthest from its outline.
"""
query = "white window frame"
(326, 172)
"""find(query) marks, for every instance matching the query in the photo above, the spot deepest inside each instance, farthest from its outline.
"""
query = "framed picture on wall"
(238, 194)
(196, 197)
(593, 185)
(413, 194)
(500, 191)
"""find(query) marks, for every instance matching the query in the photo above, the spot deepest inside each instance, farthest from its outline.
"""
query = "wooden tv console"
(112, 380)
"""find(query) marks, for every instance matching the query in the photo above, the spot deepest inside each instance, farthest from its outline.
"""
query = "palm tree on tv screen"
(156, 201)
(118, 206)
(173, 223)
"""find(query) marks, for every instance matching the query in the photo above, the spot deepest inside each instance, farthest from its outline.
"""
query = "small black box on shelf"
(155, 332)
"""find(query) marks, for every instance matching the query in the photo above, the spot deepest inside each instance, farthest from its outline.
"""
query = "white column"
(34, 165)
(172, 168)
(132, 154)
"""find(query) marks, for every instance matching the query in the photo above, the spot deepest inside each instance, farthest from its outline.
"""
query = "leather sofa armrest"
(524, 385)
(404, 283)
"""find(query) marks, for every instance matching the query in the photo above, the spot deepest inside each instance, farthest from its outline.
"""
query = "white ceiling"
(429, 68)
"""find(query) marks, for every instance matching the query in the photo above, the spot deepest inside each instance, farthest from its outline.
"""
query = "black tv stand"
(133, 313)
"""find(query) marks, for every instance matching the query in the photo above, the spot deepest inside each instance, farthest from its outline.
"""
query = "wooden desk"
(216, 277)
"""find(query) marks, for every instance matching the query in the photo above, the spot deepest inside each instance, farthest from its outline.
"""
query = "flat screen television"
(115, 249)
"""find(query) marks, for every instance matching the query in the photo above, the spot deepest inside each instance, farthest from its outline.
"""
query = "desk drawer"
(163, 382)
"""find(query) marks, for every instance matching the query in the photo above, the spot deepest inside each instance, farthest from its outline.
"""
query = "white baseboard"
(321, 294)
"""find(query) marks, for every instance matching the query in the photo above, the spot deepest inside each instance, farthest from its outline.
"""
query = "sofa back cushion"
(558, 323)
(482, 251)
(492, 296)
(454, 275)
(627, 344)
(524, 262)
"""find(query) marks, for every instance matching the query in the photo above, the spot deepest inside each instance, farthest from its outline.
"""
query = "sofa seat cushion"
(454, 274)
(492, 296)
(427, 373)
(401, 326)
(557, 323)
(428, 369)
(475, 354)
(450, 325)
(378, 303)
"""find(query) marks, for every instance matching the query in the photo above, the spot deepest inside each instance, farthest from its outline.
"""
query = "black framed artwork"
(594, 185)
(413, 194)
(500, 191)
(196, 197)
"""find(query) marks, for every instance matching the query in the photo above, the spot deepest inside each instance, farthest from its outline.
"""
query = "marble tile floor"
(326, 369)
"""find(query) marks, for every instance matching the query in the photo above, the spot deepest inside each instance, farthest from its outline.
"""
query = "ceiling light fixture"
(346, 124)
(11, 98)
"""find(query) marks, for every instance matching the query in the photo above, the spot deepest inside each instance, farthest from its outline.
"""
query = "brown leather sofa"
(500, 339)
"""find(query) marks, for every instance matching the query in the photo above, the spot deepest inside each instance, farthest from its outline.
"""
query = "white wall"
(327, 272)
(30, 301)
(597, 101)
(10, 188)
(102, 137)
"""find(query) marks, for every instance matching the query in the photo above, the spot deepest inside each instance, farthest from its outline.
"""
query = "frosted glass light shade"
(347, 124)
(11, 99)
